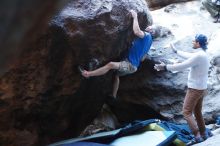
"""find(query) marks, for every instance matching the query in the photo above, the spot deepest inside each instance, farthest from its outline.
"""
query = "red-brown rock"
(43, 96)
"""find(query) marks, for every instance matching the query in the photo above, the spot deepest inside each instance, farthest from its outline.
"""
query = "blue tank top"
(140, 46)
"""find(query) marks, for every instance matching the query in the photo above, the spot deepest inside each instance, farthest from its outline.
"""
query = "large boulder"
(43, 96)
(98, 28)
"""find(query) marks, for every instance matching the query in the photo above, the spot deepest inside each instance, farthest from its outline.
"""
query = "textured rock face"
(99, 28)
(43, 97)
(155, 4)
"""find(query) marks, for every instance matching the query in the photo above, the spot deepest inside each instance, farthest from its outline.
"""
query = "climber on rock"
(136, 53)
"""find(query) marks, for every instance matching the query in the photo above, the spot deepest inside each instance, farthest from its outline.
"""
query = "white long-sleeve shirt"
(198, 63)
